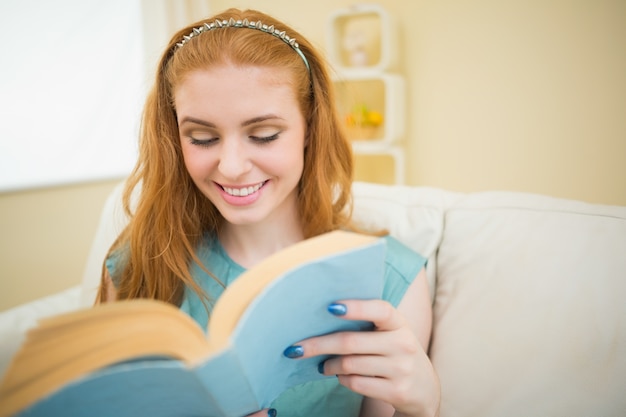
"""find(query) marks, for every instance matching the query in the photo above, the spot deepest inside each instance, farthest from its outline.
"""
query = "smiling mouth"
(243, 191)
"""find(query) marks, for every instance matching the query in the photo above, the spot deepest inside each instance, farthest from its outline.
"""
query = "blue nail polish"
(320, 367)
(294, 352)
(337, 309)
(272, 412)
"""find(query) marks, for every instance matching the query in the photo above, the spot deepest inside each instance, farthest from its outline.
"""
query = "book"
(146, 357)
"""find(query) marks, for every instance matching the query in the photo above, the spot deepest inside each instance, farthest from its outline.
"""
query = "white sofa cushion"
(413, 215)
(530, 316)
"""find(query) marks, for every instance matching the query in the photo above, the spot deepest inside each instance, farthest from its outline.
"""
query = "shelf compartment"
(380, 94)
(362, 37)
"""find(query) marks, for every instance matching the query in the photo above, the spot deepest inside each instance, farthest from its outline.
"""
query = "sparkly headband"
(245, 24)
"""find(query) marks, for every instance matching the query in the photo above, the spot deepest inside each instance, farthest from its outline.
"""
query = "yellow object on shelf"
(361, 115)
(363, 124)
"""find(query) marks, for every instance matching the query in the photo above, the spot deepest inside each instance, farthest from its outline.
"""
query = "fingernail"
(320, 367)
(294, 352)
(272, 412)
(337, 309)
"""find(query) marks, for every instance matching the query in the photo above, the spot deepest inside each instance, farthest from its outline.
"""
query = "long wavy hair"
(168, 214)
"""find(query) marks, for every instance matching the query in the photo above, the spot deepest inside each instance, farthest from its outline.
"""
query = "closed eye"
(202, 142)
(265, 139)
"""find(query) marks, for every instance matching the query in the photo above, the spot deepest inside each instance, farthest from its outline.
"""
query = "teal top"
(323, 397)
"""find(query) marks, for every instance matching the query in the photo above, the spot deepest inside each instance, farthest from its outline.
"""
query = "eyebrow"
(244, 124)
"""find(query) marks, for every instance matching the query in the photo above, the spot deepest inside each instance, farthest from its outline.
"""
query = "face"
(242, 136)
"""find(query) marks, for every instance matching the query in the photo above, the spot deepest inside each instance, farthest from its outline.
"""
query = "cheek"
(293, 151)
(196, 162)
(285, 161)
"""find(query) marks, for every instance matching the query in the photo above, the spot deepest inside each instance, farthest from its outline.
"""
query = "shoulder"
(402, 265)
(115, 263)
(402, 259)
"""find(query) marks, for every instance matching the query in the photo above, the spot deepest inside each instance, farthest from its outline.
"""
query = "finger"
(364, 365)
(391, 367)
(381, 388)
(348, 343)
(382, 314)
(378, 343)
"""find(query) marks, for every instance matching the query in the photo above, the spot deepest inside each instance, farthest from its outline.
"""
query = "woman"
(242, 154)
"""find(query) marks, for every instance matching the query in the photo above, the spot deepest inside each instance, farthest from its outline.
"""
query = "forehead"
(227, 76)
(230, 88)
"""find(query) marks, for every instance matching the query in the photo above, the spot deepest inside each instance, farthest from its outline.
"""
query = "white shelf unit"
(362, 46)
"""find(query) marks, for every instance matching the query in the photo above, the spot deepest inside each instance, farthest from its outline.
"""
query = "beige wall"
(46, 235)
(520, 95)
(526, 95)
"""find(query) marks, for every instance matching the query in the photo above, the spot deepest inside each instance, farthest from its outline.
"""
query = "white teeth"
(242, 192)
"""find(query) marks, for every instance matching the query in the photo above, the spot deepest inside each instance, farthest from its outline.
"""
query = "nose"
(234, 160)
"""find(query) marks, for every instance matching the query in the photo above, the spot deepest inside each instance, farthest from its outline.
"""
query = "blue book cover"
(145, 357)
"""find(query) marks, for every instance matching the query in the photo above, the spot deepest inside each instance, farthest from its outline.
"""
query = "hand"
(388, 364)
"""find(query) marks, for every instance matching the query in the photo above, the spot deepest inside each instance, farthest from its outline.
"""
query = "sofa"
(528, 296)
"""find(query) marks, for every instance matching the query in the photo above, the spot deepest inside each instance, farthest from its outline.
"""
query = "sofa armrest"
(15, 322)
(112, 222)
